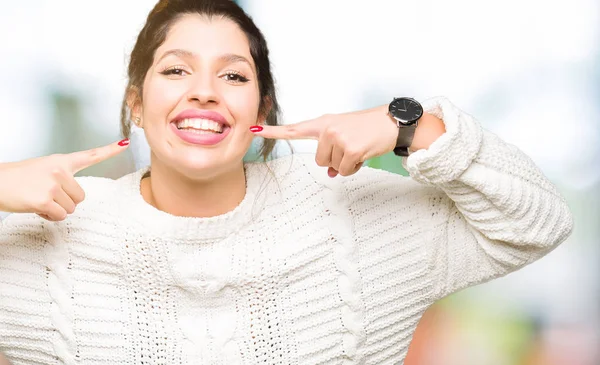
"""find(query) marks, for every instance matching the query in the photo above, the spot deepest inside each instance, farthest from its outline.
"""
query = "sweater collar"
(193, 229)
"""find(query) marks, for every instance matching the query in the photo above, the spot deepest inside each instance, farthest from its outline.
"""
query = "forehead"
(207, 37)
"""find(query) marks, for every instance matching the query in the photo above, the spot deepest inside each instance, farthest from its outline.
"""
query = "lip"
(201, 114)
(201, 139)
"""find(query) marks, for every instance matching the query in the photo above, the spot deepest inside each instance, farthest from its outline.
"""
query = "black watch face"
(406, 109)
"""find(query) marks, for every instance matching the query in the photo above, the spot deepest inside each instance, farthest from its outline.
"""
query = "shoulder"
(366, 176)
(104, 197)
(105, 189)
(366, 181)
(96, 186)
(294, 166)
(98, 190)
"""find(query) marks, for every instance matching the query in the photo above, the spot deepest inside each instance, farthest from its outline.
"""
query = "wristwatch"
(406, 112)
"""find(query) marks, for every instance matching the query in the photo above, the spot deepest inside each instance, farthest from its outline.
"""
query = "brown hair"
(154, 33)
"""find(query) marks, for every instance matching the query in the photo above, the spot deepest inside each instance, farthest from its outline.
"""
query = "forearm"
(507, 198)
(498, 189)
(502, 211)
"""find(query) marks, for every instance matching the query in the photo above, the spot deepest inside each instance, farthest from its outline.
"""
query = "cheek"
(244, 106)
(160, 98)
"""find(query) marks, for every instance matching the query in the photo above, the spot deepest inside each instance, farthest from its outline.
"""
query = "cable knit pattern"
(207, 276)
(60, 288)
(345, 258)
(306, 270)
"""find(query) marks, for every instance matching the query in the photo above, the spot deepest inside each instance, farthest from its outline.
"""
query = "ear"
(134, 103)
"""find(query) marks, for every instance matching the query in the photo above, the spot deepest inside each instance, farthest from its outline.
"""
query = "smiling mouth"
(200, 126)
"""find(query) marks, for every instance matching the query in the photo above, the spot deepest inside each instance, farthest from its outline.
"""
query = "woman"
(202, 259)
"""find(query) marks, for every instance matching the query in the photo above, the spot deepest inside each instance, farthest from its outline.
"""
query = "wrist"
(429, 129)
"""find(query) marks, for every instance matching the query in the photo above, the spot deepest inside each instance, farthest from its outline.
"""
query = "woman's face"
(200, 97)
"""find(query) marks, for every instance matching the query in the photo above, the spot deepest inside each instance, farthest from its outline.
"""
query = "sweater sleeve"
(483, 207)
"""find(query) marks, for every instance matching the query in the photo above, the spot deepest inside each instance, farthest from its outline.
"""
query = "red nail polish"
(256, 128)
(124, 142)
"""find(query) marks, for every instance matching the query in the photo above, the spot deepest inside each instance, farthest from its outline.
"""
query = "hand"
(4, 360)
(345, 141)
(46, 185)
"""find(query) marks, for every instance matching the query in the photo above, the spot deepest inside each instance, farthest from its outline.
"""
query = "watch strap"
(404, 140)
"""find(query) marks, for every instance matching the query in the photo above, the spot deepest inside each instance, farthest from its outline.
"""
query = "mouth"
(200, 121)
(201, 126)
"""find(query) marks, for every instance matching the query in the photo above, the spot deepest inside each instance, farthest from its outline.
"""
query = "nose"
(203, 90)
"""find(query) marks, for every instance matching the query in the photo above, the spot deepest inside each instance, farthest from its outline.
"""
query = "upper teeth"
(204, 124)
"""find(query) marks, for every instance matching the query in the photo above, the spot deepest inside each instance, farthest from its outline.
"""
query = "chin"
(205, 166)
(199, 162)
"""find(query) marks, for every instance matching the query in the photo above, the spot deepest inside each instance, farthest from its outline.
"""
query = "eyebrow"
(177, 52)
(227, 57)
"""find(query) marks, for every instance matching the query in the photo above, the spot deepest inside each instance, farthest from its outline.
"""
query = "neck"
(176, 194)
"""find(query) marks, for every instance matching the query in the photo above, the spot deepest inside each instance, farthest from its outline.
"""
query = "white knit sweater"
(306, 270)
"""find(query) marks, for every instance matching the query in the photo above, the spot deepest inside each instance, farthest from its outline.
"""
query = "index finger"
(84, 159)
(309, 129)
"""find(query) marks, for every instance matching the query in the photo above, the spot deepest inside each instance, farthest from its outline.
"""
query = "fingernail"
(124, 142)
(256, 128)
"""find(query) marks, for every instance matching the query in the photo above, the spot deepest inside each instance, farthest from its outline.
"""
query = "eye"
(175, 70)
(235, 77)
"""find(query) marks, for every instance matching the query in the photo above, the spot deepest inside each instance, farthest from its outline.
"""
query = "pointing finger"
(309, 129)
(84, 159)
